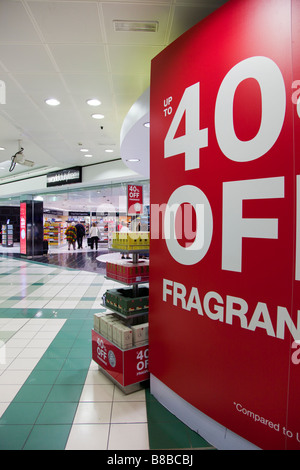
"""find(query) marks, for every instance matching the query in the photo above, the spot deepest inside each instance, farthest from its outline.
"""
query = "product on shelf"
(7, 235)
(122, 335)
(106, 325)
(130, 240)
(116, 331)
(126, 271)
(125, 301)
(53, 232)
(140, 334)
(97, 317)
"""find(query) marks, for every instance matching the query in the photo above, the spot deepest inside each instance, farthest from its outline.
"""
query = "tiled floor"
(52, 395)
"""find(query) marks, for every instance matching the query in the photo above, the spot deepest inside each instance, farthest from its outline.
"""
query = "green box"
(126, 302)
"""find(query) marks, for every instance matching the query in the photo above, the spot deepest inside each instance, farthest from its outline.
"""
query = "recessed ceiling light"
(147, 124)
(88, 156)
(126, 26)
(52, 102)
(133, 160)
(84, 150)
(108, 150)
(2, 148)
(97, 116)
(94, 102)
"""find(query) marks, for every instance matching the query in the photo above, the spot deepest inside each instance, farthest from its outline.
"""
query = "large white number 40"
(194, 138)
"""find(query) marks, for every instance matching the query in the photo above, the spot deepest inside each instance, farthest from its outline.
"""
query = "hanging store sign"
(225, 219)
(66, 176)
(53, 211)
(79, 214)
(134, 199)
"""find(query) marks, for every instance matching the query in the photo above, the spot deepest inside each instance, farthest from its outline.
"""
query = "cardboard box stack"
(116, 331)
(106, 325)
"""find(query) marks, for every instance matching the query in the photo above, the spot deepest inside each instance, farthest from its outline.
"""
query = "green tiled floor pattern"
(42, 412)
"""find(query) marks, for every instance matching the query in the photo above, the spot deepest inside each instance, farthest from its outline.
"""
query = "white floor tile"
(97, 393)
(88, 437)
(38, 303)
(128, 437)
(15, 324)
(8, 392)
(45, 335)
(129, 412)
(20, 364)
(54, 303)
(11, 353)
(93, 413)
(17, 343)
(95, 377)
(3, 407)
(39, 343)
(24, 334)
(32, 353)
(13, 377)
(119, 395)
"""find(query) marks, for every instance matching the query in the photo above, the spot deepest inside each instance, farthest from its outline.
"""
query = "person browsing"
(94, 236)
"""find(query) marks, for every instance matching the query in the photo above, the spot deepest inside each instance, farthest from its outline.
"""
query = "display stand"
(128, 367)
(7, 235)
(53, 233)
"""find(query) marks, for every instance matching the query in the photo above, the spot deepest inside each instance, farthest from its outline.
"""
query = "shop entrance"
(104, 207)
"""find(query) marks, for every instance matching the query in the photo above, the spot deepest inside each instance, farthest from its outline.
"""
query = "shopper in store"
(71, 234)
(124, 227)
(94, 236)
(80, 234)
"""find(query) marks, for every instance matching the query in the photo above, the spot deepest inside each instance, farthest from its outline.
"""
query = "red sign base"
(125, 367)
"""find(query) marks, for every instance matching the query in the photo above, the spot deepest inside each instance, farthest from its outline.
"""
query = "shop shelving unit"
(53, 233)
(127, 368)
(7, 235)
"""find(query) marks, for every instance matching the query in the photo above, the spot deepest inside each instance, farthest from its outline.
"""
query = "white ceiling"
(68, 49)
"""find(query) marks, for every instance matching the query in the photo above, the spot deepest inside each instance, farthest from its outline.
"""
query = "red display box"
(127, 367)
(128, 272)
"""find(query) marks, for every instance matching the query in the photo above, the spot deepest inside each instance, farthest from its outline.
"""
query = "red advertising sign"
(134, 199)
(23, 228)
(225, 223)
(126, 366)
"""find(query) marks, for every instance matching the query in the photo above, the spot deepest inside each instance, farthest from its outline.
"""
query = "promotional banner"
(23, 228)
(225, 230)
(134, 199)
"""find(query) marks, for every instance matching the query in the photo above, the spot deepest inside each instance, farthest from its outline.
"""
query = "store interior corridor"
(52, 394)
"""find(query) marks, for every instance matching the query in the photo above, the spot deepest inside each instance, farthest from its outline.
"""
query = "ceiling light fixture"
(108, 150)
(52, 102)
(146, 124)
(2, 148)
(125, 26)
(93, 102)
(84, 150)
(97, 116)
(133, 160)
(88, 156)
